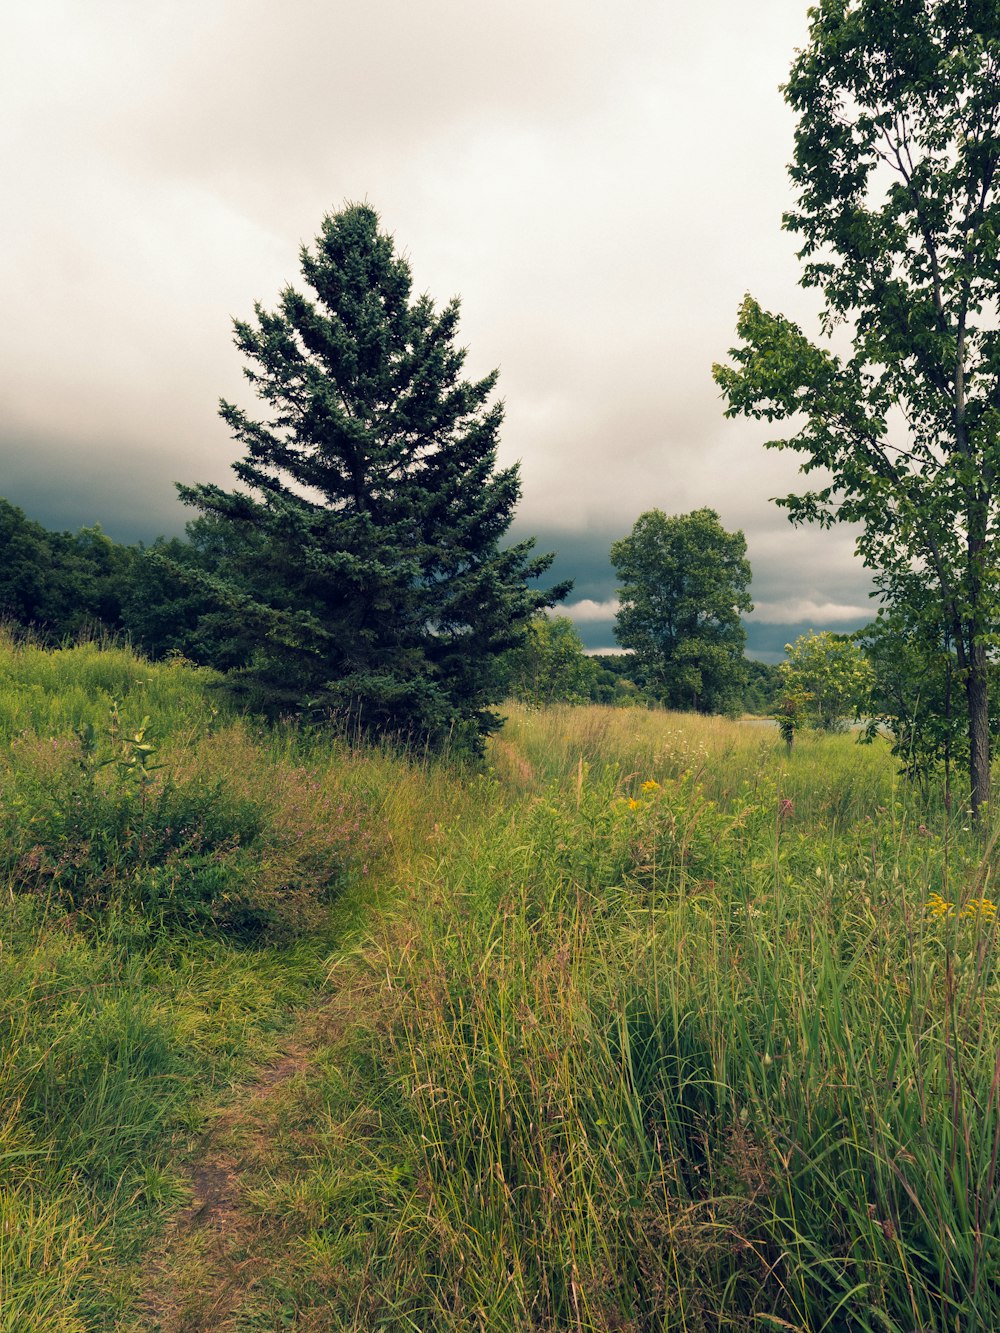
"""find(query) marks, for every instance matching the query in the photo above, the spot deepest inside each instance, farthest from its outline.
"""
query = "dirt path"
(207, 1264)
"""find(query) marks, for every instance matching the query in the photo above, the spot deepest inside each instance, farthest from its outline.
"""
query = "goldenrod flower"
(982, 909)
(938, 907)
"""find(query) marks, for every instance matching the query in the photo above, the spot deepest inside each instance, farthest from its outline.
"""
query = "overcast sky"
(600, 183)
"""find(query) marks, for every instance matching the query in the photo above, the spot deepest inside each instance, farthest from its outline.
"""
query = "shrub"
(96, 820)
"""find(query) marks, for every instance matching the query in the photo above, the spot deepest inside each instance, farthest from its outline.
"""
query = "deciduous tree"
(684, 582)
(830, 677)
(896, 166)
(551, 666)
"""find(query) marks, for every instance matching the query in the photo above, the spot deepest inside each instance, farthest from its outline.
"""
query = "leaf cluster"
(684, 582)
(896, 156)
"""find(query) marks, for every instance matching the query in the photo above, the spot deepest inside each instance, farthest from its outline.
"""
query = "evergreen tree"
(172, 604)
(375, 583)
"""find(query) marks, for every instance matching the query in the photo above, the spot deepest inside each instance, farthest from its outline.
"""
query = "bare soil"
(207, 1266)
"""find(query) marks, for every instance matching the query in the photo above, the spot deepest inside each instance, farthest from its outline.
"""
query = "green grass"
(121, 1023)
(683, 1057)
(110, 1044)
(647, 1025)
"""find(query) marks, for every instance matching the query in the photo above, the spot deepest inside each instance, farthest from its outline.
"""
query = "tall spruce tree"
(374, 582)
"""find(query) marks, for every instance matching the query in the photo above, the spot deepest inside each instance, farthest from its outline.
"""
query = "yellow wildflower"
(983, 908)
(651, 785)
(938, 907)
(633, 804)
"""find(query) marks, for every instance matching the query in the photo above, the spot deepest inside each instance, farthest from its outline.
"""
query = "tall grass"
(672, 1034)
(142, 825)
(649, 1024)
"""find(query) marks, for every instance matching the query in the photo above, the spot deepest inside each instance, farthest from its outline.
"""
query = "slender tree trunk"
(977, 694)
(977, 686)
(947, 732)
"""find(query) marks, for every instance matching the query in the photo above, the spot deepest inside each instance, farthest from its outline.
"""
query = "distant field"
(647, 1024)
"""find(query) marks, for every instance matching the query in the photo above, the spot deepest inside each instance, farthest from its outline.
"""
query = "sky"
(600, 183)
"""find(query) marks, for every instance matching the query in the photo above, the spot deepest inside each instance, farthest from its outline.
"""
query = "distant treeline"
(63, 585)
(60, 586)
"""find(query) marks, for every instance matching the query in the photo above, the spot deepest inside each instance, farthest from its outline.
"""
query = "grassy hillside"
(648, 1025)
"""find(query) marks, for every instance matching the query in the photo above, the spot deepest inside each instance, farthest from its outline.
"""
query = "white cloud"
(795, 610)
(587, 611)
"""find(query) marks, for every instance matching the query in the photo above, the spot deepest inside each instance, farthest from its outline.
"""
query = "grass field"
(647, 1024)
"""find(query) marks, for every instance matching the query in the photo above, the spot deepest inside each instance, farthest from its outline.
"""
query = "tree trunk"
(947, 730)
(977, 687)
(977, 694)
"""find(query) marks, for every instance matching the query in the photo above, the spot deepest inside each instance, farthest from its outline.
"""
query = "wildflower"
(633, 804)
(650, 785)
(938, 907)
(977, 909)
(982, 908)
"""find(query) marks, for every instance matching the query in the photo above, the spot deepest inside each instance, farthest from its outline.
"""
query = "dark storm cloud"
(102, 481)
(802, 579)
(601, 184)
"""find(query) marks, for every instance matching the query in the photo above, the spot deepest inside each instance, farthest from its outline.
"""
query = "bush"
(218, 837)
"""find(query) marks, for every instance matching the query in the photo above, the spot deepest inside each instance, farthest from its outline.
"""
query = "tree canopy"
(831, 676)
(61, 584)
(684, 582)
(896, 157)
(551, 666)
(373, 579)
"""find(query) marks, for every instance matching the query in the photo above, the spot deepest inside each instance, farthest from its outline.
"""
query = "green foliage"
(52, 695)
(113, 1031)
(827, 681)
(367, 576)
(170, 605)
(621, 681)
(916, 694)
(551, 666)
(108, 817)
(661, 1027)
(762, 690)
(727, 1040)
(790, 713)
(110, 1042)
(896, 165)
(684, 581)
(61, 584)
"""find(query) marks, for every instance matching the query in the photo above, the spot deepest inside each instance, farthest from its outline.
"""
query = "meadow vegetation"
(645, 1023)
